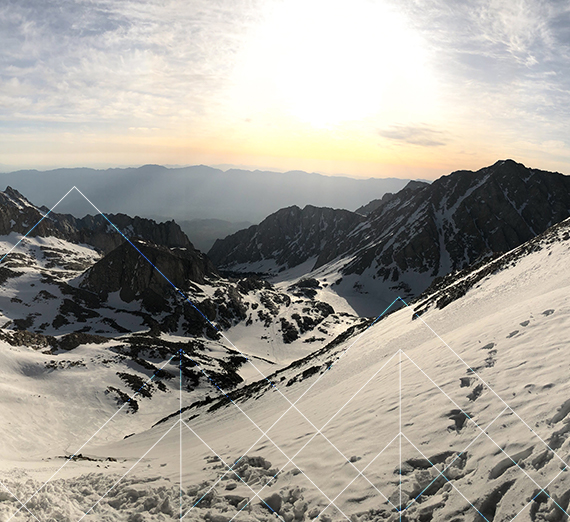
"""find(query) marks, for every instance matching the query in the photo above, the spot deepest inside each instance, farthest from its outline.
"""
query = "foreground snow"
(460, 414)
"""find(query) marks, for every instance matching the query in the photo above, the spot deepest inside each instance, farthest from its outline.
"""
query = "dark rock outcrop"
(425, 229)
(291, 236)
(449, 224)
(124, 270)
(18, 215)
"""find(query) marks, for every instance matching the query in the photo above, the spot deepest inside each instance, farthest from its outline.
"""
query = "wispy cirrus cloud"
(422, 136)
(502, 67)
(106, 62)
(485, 75)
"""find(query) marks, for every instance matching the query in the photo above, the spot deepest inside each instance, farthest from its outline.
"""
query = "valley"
(405, 364)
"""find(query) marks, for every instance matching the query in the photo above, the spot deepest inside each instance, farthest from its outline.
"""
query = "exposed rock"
(449, 224)
(424, 229)
(273, 502)
(18, 215)
(124, 270)
(291, 236)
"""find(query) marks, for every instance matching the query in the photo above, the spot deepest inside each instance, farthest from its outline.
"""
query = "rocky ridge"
(375, 204)
(18, 215)
(424, 231)
(155, 282)
(290, 237)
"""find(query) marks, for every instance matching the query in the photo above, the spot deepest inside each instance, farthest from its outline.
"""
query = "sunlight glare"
(329, 61)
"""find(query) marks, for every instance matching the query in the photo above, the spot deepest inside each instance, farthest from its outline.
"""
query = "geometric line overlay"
(400, 502)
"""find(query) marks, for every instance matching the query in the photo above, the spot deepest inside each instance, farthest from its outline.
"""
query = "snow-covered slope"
(82, 331)
(459, 412)
(412, 237)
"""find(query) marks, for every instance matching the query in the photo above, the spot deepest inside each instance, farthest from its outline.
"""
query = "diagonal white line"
(449, 481)
(318, 431)
(361, 474)
(441, 473)
(264, 434)
(479, 427)
(228, 466)
(187, 299)
(456, 457)
(124, 404)
(344, 456)
(303, 394)
(29, 231)
(544, 489)
(488, 387)
(222, 334)
(231, 344)
(359, 390)
(129, 470)
(342, 354)
(23, 506)
(90, 439)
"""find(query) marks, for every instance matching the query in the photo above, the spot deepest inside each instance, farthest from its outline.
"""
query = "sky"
(405, 88)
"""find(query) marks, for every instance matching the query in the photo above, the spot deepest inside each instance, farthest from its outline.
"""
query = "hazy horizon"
(196, 192)
(375, 88)
(10, 169)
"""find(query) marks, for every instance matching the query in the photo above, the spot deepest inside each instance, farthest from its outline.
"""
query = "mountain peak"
(14, 195)
(12, 192)
(405, 240)
(288, 237)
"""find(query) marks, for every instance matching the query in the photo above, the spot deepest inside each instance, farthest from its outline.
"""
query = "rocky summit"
(288, 237)
(407, 239)
(18, 215)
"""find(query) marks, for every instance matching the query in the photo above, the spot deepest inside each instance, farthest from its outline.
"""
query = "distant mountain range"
(406, 239)
(197, 192)
(453, 407)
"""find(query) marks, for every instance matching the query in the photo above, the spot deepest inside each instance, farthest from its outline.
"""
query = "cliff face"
(124, 270)
(290, 236)
(426, 230)
(18, 215)
(96, 231)
(449, 224)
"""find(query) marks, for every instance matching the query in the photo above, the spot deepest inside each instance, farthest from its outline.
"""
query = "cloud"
(501, 65)
(498, 68)
(108, 62)
(421, 135)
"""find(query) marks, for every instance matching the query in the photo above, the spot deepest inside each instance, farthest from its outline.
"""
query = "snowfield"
(460, 414)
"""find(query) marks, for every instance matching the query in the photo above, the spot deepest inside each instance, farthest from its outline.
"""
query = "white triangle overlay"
(292, 405)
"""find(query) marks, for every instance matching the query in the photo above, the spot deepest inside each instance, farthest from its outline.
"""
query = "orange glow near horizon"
(366, 88)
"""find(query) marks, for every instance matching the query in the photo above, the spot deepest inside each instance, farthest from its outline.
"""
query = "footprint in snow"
(548, 312)
(476, 393)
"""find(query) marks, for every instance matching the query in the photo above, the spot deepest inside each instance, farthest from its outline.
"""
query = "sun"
(330, 61)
